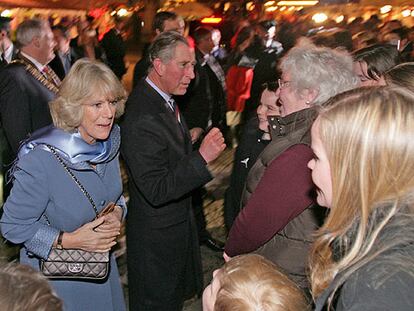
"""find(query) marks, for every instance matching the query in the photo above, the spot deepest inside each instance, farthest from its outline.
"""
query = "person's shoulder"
(13, 69)
(379, 285)
(37, 159)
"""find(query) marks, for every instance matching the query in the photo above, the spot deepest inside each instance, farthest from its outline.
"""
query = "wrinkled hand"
(86, 238)
(212, 145)
(195, 134)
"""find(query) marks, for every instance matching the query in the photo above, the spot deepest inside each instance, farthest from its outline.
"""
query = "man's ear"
(36, 41)
(158, 66)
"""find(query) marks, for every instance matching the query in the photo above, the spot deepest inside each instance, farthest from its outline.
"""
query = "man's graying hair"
(164, 46)
(29, 29)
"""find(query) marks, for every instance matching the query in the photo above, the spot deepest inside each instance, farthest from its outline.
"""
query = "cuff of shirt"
(41, 243)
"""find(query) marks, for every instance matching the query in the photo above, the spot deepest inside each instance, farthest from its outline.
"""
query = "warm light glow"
(250, 6)
(271, 8)
(385, 9)
(6, 13)
(113, 13)
(211, 20)
(412, 13)
(291, 8)
(406, 13)
(319, 18)
(122, 12)
(226, 6)
(297, 3)
(282, 8)
(269, 3)
(339, 19)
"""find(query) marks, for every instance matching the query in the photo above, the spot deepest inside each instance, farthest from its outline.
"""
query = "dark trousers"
(164, 265)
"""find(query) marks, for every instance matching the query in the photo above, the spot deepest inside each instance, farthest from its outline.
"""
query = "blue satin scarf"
(70, 146)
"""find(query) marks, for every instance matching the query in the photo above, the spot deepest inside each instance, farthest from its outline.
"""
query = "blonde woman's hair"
(368, 137)
(87, 78)
(401, 75)
(252, 283)
(23, 288)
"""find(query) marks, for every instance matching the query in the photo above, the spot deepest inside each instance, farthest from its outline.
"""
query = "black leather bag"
(75, 263)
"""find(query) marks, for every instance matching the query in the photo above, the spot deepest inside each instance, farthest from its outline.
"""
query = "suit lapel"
(167, 115)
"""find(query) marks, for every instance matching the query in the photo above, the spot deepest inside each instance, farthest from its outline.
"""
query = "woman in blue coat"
(47, 209)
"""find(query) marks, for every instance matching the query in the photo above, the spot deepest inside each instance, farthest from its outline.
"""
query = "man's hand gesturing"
(212, 145)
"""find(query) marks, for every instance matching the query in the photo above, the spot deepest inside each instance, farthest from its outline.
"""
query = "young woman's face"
(210, 292)
(321, 170)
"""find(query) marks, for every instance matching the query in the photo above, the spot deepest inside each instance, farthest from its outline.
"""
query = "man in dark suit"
(114, 47)
(164, 264)
(65, 55)
(28, 84)
(8, 50)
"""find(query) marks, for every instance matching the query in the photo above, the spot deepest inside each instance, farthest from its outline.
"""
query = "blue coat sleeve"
(22, 221)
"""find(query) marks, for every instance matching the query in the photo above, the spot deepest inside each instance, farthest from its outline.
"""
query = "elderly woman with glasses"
(278, 215)
(48, 209)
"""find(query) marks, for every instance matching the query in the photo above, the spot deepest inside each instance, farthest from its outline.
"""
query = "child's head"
(23, 288)
(251, 283)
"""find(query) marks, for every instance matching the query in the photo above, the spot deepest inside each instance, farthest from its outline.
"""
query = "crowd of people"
(320, 208)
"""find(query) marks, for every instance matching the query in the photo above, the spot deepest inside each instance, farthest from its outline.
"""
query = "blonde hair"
(86, 79)
(250, 283)
(23, 288)
(401, 75)
(368, 137)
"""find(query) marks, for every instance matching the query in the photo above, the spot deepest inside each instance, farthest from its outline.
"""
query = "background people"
(114, 46)
(65, 54)
(372, 62)
(47, 209)
(363, 257)
(250, 282)
(164, 264)
(25, 87)
(8, 51)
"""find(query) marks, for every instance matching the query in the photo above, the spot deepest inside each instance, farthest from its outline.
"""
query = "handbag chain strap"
(81, 187)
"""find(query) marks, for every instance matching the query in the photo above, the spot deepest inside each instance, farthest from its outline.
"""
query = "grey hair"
(86, 79)
(164, 46)
(323, 69)
(29, 29)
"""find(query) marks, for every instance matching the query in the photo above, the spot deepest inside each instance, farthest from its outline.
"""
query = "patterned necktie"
(177, 113)
(175, 109)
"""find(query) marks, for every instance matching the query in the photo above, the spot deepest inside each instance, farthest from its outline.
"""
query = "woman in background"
(363, 257)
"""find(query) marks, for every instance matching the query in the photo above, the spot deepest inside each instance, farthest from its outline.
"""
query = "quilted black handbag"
(75, 263)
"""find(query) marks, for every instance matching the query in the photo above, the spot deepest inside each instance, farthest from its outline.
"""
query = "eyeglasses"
(283, 83)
